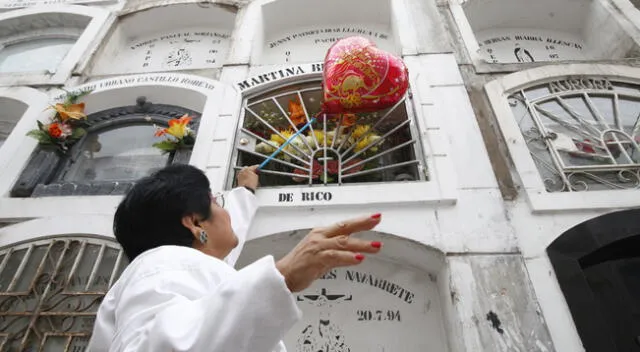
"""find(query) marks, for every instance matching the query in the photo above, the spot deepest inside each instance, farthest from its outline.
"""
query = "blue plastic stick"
(273, 155)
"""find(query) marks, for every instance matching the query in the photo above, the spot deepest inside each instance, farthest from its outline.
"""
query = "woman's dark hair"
(150, 215)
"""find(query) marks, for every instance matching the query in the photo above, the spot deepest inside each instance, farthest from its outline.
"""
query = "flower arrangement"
(358, 139)
(65, 127)
(179, 132)
(344, 132)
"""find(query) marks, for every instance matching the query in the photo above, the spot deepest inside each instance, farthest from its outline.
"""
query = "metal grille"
(583, 134)
(336, 149)
(50, 292)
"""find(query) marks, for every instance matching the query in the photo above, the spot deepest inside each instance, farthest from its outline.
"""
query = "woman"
(179, 294)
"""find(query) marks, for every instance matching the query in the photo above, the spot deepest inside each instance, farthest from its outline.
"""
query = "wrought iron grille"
(582, 133)
(50, 292)
(336, 149)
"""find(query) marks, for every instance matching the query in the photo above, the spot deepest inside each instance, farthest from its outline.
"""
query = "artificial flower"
(338, 141)
(360, 131)
(70, 111)
(177, 127)
(296, 112)
(61, 132)
(346, 169)
(317, 136)
(267, 147)
(67, 130)
(316, 172)
(349, 120)
(286, 134)
(333, 169)
(54, 130)
(367, 141)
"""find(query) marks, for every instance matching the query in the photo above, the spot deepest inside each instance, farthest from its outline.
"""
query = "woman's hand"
(326, 248)
(248, 177)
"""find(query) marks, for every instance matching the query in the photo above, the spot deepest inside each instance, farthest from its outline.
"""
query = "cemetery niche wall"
(597, 266)
(341, 149)
(572, 132)
(157, 39)
(118, 149)
(306, 36)
(8, 5)
(583, 133)
(50, 291)
(391, 302)
(121, 139)
(12, 112)
(521, 32)
(44, 45)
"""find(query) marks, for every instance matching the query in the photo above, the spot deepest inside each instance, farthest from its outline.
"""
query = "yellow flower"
(360, 131)
(366, 142)
(330, 136)
(177, 127)
(286, 134)
(319, 137)
(70, 111)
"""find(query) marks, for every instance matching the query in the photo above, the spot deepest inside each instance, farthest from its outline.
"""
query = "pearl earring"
(203, 236)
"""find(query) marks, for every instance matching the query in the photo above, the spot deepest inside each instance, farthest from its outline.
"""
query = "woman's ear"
(191, 222)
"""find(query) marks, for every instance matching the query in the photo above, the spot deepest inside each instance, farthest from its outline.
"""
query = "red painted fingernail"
(376, 216)
(359, 257)
(376, 244)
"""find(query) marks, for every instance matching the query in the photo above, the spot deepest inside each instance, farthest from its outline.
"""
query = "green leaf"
(41, 136)
(78, 133)
(166, 146)
(34, 133)
(189, 140)
(40, 125)
(72, 98)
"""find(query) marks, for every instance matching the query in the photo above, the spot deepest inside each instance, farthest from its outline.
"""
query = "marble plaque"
(377, 306)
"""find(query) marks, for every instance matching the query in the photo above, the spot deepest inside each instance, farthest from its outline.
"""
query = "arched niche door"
(597, 264)
(50, 291)
(390, 302)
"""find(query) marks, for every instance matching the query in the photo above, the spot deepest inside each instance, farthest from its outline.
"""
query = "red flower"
(316, 171)
(333, 168)
(54, 130)
(353, 169)
(349, 120)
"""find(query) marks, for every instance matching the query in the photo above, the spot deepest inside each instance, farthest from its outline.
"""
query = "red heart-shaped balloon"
(359, 77)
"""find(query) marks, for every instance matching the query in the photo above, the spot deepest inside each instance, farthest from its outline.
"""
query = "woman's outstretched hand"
(248, 177)
(325, 248)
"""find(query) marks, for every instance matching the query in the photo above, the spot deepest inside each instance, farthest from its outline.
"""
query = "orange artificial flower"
(54, 130)
(70, 111)
(296, 112)
(177, 127)
(349, 120)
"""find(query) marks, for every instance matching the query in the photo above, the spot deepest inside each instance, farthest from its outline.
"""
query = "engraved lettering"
(580, 84)
(389, 287)
(271, 76)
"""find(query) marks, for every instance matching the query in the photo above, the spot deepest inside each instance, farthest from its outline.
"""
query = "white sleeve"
(242, 206)
(231, 318)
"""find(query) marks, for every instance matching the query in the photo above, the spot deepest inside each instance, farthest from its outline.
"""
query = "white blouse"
(174, 298)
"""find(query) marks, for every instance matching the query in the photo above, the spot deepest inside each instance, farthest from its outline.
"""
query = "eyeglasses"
(218, 198)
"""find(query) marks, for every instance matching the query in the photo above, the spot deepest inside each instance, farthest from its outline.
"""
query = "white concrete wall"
(459, 212)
